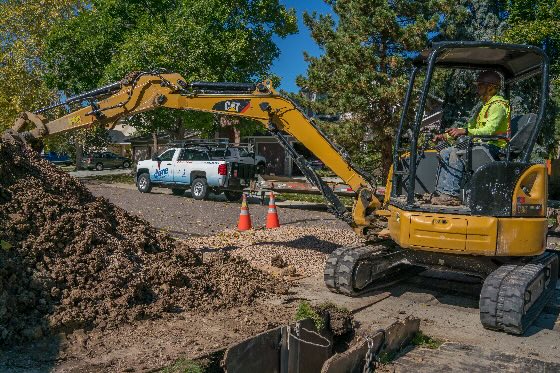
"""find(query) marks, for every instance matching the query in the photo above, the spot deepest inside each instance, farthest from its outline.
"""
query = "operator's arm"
(497, 113)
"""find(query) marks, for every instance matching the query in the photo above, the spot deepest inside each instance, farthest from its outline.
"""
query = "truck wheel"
(177, 192)
(233, 196)
(199, 188)
(261, 168)
(143, 183)
(99, 166)
(126, 164)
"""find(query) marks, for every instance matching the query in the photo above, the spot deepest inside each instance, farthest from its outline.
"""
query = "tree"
(363, 69)
(23, 25)
(212, 40)
(537, 23)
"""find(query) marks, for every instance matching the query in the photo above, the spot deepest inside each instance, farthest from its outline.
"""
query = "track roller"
(514, 295)
(354, 270)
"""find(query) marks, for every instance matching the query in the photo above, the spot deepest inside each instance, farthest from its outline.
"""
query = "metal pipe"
(416, 128)
(400, 128)
(110, 88)
(544, 98)
(223, 86)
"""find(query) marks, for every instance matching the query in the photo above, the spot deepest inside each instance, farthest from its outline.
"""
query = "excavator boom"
(139, 92)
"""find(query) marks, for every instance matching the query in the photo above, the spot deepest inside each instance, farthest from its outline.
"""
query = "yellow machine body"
(523, 234)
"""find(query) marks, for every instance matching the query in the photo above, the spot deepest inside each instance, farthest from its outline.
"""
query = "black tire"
(126, 164)
(99, 166)
(143, 183)
(177, 192)
(199, 188)
(261, 168)
(233, 196)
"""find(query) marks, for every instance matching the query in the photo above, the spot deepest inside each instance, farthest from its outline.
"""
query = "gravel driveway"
(183, 216)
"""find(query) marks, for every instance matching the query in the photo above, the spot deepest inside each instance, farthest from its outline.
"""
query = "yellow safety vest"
(483, 126)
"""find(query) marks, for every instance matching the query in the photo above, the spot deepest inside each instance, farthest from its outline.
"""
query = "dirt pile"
(69, 260)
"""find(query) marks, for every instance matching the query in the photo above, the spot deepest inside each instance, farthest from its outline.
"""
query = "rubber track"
(502, 299)
(330, 274)
(339, 267)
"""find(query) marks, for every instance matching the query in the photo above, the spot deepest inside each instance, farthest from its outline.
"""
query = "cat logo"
(233, 106)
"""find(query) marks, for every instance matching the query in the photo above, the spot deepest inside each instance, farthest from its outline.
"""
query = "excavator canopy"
(512, 60)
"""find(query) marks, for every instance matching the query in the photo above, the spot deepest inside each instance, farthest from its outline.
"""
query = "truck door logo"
(160, 173)
(233, 106)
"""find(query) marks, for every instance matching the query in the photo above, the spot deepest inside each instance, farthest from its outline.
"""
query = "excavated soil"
(69, 260)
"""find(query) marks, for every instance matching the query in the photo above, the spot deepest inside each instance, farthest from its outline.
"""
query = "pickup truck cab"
(240, 154)
(192, 167)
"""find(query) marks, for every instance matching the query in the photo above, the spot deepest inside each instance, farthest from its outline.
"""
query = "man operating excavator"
(493, 119)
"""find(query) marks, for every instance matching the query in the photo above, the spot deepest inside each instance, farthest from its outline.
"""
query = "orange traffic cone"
(244, 217)
(272, 216)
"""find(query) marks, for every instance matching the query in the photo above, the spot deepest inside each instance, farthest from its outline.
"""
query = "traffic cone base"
(244, 223)
(272, 216)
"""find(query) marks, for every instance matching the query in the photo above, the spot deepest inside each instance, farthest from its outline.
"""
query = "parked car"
(192, 167)
(240, 154)
(101, 160)
(57, 158)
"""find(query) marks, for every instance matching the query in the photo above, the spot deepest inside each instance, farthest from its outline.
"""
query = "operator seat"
(489, 190)
(521, 128)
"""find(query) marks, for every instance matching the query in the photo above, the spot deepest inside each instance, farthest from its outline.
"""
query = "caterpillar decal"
(233, 106)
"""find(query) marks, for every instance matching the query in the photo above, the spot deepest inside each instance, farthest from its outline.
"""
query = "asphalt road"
(183, 216)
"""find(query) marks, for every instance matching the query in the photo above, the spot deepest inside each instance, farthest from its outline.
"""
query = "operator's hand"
(439, 137)
(456, 132)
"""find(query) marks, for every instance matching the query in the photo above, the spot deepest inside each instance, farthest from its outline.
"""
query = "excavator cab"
(499, 230)
(504, 197)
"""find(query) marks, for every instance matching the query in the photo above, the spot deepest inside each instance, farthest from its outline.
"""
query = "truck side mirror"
(155, 158)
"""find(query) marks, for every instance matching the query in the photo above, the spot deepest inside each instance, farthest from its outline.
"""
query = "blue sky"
(290, 63)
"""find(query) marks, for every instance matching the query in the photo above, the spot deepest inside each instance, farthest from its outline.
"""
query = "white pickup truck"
(240, 154)
(192, 167)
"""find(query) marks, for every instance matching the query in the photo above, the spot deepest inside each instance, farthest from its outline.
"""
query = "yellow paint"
(75, 120)
(535, 182)
(388, 187)
(521, 236)
(464, 234)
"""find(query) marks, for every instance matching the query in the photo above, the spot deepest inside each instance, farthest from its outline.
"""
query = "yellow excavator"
(499, 231)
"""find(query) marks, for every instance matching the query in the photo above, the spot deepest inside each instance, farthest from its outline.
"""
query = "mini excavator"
(497, 234)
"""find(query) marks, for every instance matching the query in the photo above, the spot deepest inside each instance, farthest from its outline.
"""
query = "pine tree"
(363, 70)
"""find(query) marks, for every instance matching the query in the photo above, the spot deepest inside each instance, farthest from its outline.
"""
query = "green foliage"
(306, 311)
(91, 139)
(537, 23)
(23, 26)
(387, 357)
(211, 40)
(422, 340)
(184, 366)
(363, 68)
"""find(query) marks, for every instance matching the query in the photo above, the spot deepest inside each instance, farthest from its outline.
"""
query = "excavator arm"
(139, 92)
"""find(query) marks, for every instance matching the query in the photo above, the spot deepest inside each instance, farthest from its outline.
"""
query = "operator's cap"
(489, 77)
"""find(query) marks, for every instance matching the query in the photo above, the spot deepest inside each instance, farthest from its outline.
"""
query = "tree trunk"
(386, 156)
(236, 135)
(155, 146)
(79, 156)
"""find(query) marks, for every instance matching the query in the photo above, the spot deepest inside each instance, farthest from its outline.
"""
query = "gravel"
(303, 248)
